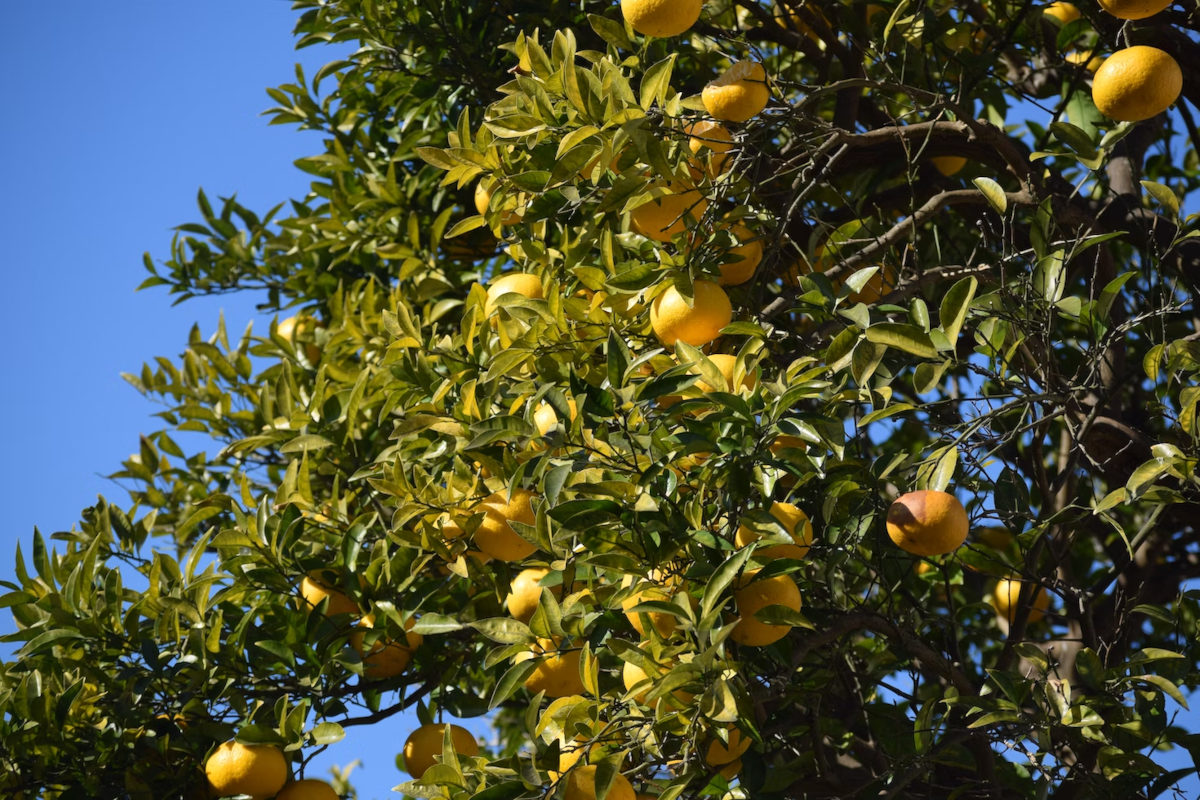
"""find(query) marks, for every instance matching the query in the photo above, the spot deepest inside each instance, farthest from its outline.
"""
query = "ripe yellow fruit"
(1008, 592)
(655, 588)
(749, 256)
(1136, 83)
(719, 753)
(752, 595)
(1065, 13)
(423, 748)
(259, 770)
(581, 785)
(483, 200)
(661, 17)
(495, 536)
(634, 676)
(948, 165)
(525, 593)
(709, 135)
(927, 522)
(545, 418)
(1091, 62)
(522, 283)
(558, 673)
(301, 328)
(794, 521)
(1134, 9)
(739, 94)
(319, 585)
(386, 658)
(665, 217)
(308, 789)
(672, 319)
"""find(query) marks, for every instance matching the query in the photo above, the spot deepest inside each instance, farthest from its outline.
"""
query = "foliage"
(1022, 333)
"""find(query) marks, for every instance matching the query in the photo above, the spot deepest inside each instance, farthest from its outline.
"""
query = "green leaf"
(327, 733)
(721, 579)
(993, 193)
(955, 305)
(1164, 195)
(1075, 138)
(656, 81)
(435, 623)
(504, 630)
(938, 470)
(908, 338)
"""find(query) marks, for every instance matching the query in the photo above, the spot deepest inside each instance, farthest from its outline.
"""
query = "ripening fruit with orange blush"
(739, 93)
(927, 522)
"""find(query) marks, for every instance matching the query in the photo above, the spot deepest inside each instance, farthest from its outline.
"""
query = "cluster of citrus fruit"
(1134, 83)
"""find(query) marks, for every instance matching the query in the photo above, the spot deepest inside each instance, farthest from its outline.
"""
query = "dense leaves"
(971, 281)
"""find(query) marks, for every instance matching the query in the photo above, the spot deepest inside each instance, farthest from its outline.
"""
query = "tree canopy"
(593, 385)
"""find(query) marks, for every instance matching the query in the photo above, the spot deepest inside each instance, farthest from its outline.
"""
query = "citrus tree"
(733, 399)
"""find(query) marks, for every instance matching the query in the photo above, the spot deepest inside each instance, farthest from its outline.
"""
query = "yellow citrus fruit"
(725, 363)
(573, 753)
(308, 789)
(581, 785)
(948, 165)
(672, 319)
(634, 676)
(749, 256)
(657, 589)
(1008, 592)
(719, 753)
(794, 521)
(661, 17)
(558, 673)
(752, 595)
(713, 136)
(525, 593)
(1136, 83)
(545, 418)
(522, 283)
(927, 522)
(259, 770)
(1134, 9)
(483, 201)
(1091, 62)
(1063, 12)
(739, 94)
(301, 328)
(319, 585)
(386, 658)
(664, 217)
(423, 748)
(495, 536)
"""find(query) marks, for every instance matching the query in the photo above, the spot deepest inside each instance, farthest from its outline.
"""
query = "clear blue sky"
(115, 114)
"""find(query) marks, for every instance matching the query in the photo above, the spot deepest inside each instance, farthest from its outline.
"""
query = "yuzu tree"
(971, 309)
